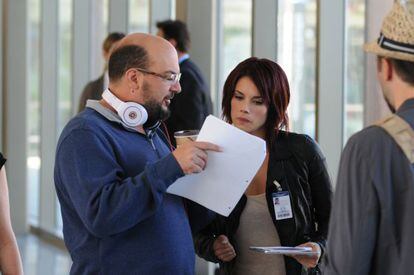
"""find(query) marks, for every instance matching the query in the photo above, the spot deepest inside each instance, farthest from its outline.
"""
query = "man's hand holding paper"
(192, 156)
(227, 174)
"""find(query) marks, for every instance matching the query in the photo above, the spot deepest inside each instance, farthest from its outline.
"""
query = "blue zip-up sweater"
(117, 217)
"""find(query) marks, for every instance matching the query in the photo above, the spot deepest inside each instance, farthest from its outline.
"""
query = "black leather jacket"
(297, 163)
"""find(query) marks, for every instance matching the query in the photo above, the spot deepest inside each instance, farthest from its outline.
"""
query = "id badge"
(281, 205)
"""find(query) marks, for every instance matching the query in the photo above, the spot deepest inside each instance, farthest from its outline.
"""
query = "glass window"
(33, 113)
(65, 63)
(138, 16)
(105, 14)
(59, 221)
(296, 53)
(237, 35)
(354, 67)
(100, 32)
(65, 73)
(173, 9)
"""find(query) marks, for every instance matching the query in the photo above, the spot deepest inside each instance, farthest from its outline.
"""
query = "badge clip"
(278, 186)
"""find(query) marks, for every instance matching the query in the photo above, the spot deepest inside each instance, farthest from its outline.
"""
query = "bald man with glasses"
(113, 166)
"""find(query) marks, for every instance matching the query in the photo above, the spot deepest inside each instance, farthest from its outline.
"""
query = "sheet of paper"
(220, 186)
(284, 250)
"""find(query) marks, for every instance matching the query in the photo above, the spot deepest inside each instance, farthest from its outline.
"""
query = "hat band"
(392, 45)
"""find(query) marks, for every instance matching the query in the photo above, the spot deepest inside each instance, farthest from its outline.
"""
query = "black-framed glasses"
(171, 77)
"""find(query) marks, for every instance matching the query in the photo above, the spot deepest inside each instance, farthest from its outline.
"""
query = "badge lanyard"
(281, 203)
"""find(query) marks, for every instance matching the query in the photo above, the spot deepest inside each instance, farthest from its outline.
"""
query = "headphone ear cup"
(133, 114)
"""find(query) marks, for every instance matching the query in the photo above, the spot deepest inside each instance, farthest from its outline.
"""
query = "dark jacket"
(2, 160)
(92, 90)
(297, 163)
(190, 107)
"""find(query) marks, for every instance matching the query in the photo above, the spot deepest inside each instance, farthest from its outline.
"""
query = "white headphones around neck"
(131, 113)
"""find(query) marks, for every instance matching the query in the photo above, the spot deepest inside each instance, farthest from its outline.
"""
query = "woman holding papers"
(289, 200)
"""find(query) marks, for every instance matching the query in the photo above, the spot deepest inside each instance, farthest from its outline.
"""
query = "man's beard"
(155, 113)
(155, 110)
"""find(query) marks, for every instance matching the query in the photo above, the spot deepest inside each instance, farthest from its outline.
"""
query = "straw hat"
(397, 33)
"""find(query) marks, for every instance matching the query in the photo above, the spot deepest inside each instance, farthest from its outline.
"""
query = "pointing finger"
(207, 146)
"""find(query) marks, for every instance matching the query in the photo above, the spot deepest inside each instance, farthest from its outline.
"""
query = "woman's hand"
(309, 261)
(223, 250)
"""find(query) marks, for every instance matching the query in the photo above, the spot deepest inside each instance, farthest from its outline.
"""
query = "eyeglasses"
(170, 77)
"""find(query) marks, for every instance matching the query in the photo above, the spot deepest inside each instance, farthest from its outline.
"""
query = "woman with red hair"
(288, 201)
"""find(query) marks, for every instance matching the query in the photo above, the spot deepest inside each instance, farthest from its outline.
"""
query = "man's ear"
(385, 69)
(388, 69)
(134, 79)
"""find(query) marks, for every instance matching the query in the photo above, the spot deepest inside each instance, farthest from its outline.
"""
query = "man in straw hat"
(372, 222)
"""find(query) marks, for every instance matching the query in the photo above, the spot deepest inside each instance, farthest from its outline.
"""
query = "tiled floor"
(42, 258)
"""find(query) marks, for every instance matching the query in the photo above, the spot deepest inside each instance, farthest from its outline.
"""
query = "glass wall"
(100, 32)
(173, 9)
(296, 53)
(354, 67)
(33, 112)
(237, 36)
(105, 5)
(64, 63)
(65, 72)
(138, 16)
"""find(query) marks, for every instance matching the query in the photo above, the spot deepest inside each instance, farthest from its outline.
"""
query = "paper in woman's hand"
(284, 250)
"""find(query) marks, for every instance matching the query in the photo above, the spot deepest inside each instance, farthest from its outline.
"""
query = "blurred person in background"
(94, 89)
(190, 107)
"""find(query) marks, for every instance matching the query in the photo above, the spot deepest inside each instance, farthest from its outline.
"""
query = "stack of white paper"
(220, 186)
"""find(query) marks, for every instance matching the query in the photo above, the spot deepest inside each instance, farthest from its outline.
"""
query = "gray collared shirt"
(371, 228)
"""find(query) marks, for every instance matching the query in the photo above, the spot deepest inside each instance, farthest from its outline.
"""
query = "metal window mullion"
(118, 16)
(264, 28)
(97, 34)
(217, 46)
(159, 10)
(16, 72)
(331, 51)
(81, 48)
(203, 27)
(49, 73)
